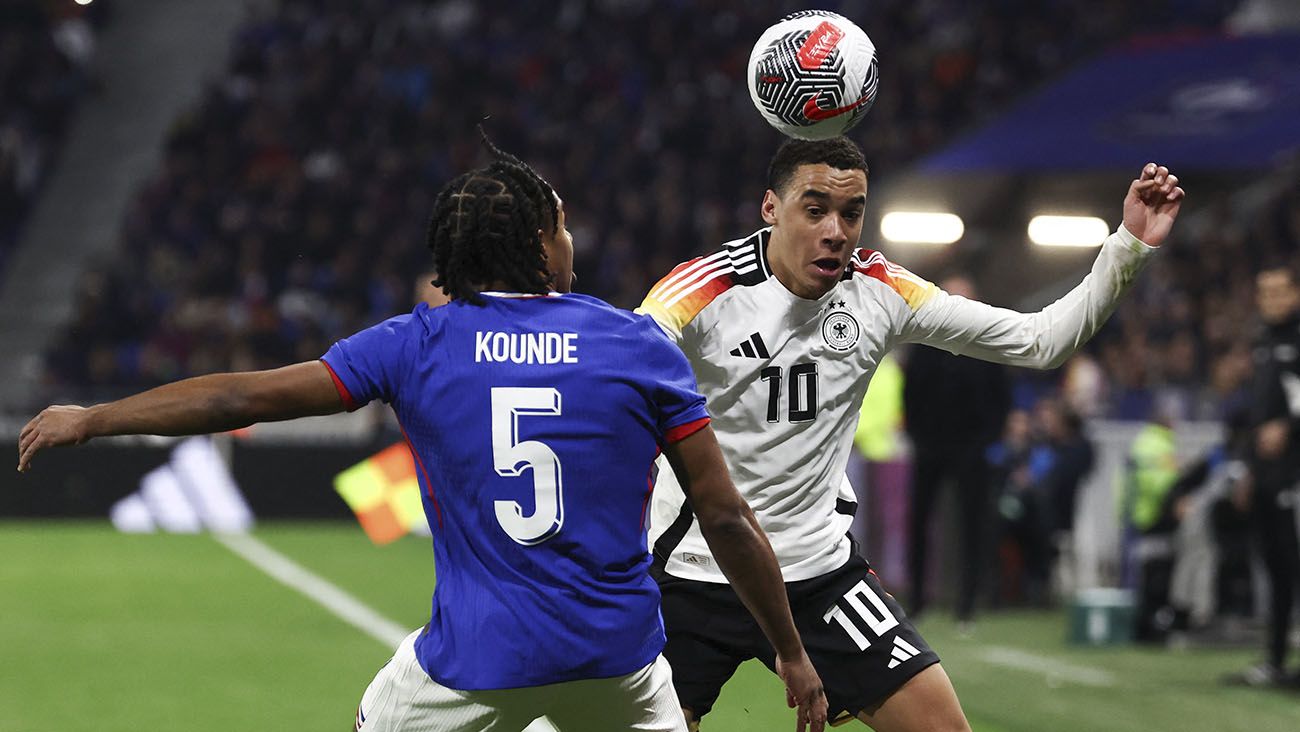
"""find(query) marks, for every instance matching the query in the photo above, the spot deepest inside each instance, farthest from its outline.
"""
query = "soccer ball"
(813, 75)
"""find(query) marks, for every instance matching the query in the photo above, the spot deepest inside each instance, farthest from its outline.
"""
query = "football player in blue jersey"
(534, 417)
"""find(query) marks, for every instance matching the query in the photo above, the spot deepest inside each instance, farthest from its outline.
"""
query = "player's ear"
(547, 245)
(770, 202)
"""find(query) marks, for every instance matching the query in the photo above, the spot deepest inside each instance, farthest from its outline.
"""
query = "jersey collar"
(520, 294)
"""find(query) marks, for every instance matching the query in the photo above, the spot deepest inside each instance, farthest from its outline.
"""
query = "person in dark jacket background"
(954, 409)
(1275, 464)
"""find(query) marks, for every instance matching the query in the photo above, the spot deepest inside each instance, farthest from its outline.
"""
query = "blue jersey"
(534, 421)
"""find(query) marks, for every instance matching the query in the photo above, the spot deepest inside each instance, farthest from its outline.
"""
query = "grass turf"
(103, 631)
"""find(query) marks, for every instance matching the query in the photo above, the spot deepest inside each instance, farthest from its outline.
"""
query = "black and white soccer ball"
(813, 75)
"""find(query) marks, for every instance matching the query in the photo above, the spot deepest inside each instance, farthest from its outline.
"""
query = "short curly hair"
(837, 152)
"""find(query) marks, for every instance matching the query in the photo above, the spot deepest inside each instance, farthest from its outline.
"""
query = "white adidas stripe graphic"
(705, 272)
(702, 283)
(697, 279)
(892, 269)
(712, 276)
(192, 492)
(684, 278)
(672, 283)
(903, 651)
(739, 255)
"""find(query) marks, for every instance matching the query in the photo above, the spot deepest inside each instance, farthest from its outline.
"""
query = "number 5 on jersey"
(511, 458)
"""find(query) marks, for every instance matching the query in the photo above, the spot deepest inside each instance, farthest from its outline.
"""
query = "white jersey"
(784, 377)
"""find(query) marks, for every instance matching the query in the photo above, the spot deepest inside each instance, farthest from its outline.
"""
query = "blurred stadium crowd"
(290, 205)
(46, 52)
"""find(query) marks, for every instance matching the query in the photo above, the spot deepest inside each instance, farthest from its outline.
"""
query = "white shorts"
(403, 698)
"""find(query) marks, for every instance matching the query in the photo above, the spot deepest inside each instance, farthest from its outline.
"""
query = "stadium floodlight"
(1067, 231)
(919, 227)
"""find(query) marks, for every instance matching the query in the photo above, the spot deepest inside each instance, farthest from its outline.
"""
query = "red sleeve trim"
(682, 431)
(420, 464)
(349, 403)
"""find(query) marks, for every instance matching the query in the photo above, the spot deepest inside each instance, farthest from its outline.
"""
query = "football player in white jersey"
(784, 329)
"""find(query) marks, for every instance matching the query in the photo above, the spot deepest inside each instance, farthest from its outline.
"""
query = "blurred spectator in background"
(1037, 468)
(1211, 588)
(954, 408)
(1275, 418)
(1211, 558)
(1147, 552)
(1022, 545)
(1069, 461)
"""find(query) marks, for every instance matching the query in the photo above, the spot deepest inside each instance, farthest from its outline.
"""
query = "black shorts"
(856, 634)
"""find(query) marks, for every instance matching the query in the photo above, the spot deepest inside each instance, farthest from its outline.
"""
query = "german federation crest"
(841, 330)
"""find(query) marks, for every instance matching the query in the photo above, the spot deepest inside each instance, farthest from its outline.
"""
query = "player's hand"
(59, 425)
(803, 688)
(1152, 204)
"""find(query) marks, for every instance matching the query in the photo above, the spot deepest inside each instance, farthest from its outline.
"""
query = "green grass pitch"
(104, 632)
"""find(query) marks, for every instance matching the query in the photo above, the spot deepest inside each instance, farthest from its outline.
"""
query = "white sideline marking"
(328, 595)
(291, 574)
(1055, 670)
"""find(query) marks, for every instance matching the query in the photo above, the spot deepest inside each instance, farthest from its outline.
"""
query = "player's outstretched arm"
(1045, 339)
(212, 403)
(746, 557)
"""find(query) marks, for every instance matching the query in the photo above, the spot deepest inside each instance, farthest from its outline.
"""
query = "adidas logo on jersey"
(903, 651)
(752, 347)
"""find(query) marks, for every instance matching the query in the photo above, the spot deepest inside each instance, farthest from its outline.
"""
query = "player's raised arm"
(746, 557)
(1047, 338)
(212, 403)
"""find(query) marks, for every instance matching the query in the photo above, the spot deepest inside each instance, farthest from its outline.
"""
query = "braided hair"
(485, 225)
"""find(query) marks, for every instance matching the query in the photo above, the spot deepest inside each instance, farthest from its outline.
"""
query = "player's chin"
(822, 276)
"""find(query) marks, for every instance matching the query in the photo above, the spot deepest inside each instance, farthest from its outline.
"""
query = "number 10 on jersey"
(803, 392)
(511, 458)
